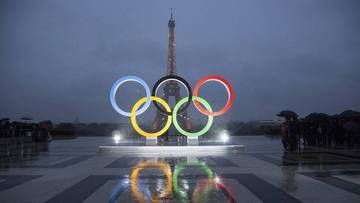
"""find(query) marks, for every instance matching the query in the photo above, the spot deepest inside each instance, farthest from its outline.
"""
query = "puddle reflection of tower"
(171, 88)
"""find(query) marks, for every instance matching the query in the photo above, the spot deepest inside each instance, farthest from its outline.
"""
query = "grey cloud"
(58, 59)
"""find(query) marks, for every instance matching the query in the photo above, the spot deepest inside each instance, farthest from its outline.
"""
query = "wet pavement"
(74, 171)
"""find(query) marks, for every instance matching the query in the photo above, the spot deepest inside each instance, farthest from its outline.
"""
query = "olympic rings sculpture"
(201, 104)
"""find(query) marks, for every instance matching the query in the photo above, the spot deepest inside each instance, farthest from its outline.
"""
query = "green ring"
(208, 124)
(180, 167)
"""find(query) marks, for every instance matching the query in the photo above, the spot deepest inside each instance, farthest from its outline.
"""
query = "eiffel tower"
(171, 88)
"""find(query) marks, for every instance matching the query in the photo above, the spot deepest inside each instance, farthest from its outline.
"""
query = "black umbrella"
(4, 119)
(287, 114)
(350, 114)
(317, 116)
(26, 118)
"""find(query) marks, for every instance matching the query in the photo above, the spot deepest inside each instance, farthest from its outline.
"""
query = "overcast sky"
(59, 59)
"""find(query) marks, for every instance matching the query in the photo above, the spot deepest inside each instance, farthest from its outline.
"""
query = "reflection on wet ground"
(74, 171)
(186, 181)
(20, 154)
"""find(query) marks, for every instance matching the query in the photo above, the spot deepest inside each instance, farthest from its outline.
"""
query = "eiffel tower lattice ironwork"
(171, 88)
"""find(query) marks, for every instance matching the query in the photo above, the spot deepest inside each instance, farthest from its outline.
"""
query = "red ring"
(228, 87)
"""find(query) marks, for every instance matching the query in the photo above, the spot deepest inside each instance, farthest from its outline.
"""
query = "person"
(285, 136)
(319, 132)
(293, 134)
(338, 132)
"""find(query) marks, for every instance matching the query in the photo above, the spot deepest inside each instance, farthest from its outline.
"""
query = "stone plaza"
(74, 170)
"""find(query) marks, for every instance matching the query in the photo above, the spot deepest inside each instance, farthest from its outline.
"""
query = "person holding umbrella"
(290, 130)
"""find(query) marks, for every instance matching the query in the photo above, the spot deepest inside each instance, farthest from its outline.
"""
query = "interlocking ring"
(122, 81)
(172, 78)
(172, 114)
(136, 126)
(227, 85)
(208, 124)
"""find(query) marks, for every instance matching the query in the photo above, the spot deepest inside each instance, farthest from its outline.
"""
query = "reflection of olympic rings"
(143, 192)
(202, 190)
(227, 193)
(172, 115)
(231, 95)
(170, 78)
(163, 167)
(122, 185)
(179, 168)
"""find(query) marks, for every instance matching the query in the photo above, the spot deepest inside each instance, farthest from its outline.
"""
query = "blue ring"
(127, 79)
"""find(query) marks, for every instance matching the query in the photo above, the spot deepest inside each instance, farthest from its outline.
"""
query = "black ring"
(172, 77)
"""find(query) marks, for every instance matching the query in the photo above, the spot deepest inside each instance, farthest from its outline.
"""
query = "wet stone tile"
(73, 171)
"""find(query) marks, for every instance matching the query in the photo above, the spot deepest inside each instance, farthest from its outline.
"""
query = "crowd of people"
(24, 131)
(320, 130)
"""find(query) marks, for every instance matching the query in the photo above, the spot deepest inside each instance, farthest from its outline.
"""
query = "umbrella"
(4, 119)
(287, 114)
(352, 127)
(350, 114)
(317, 116)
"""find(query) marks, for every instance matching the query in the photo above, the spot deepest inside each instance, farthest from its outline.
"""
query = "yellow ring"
(136, 126)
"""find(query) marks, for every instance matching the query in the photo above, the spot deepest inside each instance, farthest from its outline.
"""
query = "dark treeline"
(320, 130)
